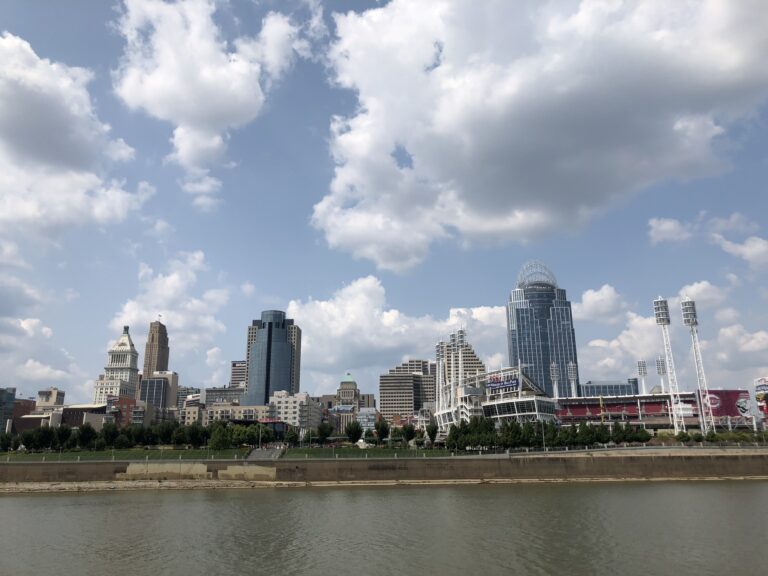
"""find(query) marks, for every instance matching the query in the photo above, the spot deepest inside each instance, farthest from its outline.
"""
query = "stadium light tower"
(554, 374)
(661, 370)
(691, 319)
(661, 311)
(642, 372)
(572, 377)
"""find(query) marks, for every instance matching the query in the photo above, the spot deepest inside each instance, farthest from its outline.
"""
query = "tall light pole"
(573, 376)
(554, 374)
(661, 370)
(661, 312)
(642, 372)
(691, 319)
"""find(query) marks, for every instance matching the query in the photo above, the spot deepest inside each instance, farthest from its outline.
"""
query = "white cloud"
(737, 348)
(247, 289)
(16, 295)
(218, 367)
(53, 147)
(39, 372)
(501, 120)
(178, 67)
(10, 255)
(736, 222)
(727, 315)
(704, 293)
(753, 250)
(602, 305)
(668, 230)
(191, 319)
(355, 330)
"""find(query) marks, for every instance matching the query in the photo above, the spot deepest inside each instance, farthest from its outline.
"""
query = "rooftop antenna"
(661, 311)
(691, 319)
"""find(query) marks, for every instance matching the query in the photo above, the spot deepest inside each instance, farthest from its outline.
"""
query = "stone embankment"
(620, 465)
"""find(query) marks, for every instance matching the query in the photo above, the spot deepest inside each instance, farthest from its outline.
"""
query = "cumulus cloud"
(178, 67)
(602, 305)
(754, 250)
(10, 255)
(356, 330)
(727, 315)
(39, 372)
(191, 318)
(668, 230)
(53, 147)
(738, 348)
(247, 288)
(17, 296)
(506, 120)
(704, 293)
(736, 222)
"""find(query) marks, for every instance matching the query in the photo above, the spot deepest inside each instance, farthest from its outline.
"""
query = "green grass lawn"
(130, 454)
(354, 452)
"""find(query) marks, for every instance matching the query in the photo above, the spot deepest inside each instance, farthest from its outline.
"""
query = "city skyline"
(381, 211)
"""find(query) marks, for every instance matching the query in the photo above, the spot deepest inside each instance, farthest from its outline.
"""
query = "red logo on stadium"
(713, 400)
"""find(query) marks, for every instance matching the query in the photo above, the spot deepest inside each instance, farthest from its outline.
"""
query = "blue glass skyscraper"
(274, 357)
(540, 329)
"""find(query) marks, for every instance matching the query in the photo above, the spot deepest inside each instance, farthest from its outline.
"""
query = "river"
(600, 528)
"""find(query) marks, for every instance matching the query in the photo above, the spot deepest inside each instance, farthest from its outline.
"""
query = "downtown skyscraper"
(540, 330)
(156, 352)
(274, 357)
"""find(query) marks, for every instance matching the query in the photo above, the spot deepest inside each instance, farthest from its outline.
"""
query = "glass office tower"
(274, 357)
(540, 329)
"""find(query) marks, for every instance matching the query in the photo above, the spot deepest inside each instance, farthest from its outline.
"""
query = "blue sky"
(382, 171)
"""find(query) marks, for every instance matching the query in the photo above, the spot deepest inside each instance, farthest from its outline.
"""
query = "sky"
(381, 171)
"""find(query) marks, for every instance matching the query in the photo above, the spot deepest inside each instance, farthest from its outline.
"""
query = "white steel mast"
(691, 319)
(661, 311)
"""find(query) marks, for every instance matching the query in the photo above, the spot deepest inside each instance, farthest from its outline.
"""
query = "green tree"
(324, 432)
(195, 435)
(353, 431)
(109, 432)
(586, 435)
(99, 444)
(382, 429)
(292, 437)
(432, 432)
(179, 437)
(86, 436)
(408, 433)
(6, 441)
(239, 435)
(220, 439)
(61, 436)
(122, 442)
(165, 432)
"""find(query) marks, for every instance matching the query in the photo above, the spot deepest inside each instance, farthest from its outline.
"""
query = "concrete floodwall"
(526, 468)
(621, 466)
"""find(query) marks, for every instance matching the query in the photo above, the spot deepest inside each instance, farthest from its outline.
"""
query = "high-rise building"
(156, 352)
(160, 389)
(540, 330)
(121, 374)
(456, 361)
(7, 399)
(50, 398)
(406, 388)
(274, 357)
(238, 375)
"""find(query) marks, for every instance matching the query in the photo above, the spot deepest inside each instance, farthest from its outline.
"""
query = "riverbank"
(583, 466)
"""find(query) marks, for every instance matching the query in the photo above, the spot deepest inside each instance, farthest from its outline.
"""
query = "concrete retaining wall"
(551, 467)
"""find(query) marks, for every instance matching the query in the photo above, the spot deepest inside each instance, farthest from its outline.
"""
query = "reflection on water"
(626, 529)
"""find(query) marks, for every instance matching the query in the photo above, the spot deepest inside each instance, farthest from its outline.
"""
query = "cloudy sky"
(381, 171)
